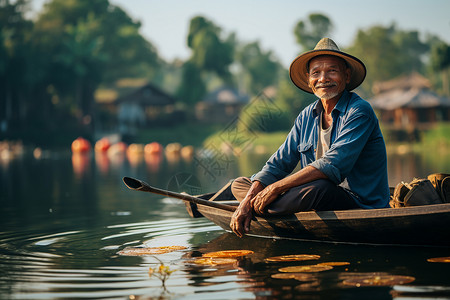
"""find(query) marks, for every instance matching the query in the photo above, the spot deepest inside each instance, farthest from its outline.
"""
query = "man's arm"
(272, 191)
(259, 197)
(240, 221)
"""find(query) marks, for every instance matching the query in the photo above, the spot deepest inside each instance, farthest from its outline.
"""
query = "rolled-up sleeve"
(350, 140)
(356, 160)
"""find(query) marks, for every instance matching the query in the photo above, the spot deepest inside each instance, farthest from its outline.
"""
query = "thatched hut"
(408, 102)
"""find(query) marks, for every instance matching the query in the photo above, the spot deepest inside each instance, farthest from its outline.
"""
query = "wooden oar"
(139, 185)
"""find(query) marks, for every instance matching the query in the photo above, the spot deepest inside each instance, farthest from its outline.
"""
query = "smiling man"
(337, 141)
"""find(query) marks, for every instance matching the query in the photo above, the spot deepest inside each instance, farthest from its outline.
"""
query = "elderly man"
(336, 139)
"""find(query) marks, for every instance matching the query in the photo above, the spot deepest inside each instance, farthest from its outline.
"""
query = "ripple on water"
(84, 263)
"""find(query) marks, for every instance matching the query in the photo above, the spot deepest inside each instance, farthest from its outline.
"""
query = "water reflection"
(153, 161)
(102, 162)
(404, 167)
(64, 218)
(401, 166)
(253, 274)
(84, 263)
(80, 163)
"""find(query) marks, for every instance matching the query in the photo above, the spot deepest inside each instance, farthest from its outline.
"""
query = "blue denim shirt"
(356, 160)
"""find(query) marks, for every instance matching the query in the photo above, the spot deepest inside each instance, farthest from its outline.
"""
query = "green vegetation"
(309, 31)
(51, 67)
(186, 134)
(436, 138)
(248, 142)
(263, 116)
(382, 49)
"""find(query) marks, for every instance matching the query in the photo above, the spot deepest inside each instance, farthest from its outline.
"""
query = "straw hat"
(325, 46)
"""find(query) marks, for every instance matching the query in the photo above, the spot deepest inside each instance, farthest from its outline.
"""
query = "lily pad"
(307, 268)
(292, 257)
(440, 259)
(214, 261)
(383, 280)
(334, 263)
(138, 251)
(296, 276)
(227, 253)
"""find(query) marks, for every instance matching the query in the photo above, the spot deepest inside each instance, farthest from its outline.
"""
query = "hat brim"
(298, 69)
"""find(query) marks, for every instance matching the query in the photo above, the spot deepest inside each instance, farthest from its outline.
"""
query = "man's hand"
(242, 216)
(258, 197)
(240, 221)
(264, 198)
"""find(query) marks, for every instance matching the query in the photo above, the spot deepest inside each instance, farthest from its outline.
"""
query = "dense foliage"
(263, 116)
(54, 65)
(51, 65)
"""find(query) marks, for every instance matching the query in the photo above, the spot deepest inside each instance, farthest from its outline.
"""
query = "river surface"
(64, 219)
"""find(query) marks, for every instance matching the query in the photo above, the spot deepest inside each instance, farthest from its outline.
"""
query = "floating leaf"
(309, 287)
(228, 253)
(296, 276)
(293, 257)
(138, 251)
(214, 261)
(334, 263)
(439, 259)
(383, 280)
(307, 268)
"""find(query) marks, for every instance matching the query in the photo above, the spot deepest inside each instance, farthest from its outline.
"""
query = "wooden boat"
(418, 225)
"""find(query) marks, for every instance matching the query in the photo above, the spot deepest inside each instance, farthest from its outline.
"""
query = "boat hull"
(419, 225)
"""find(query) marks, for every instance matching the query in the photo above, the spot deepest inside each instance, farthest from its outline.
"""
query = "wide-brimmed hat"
(326, 46)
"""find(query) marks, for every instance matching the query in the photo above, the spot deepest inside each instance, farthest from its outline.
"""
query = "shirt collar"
(341, 106)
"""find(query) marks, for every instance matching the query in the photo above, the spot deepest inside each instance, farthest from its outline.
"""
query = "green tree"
(197, 25)
(292, 99)
(387, 53)
(308, 32)
(82, 59)
(263, 115)
(129, 53)
(210, 54)
(14, 57)
(192, 87)
(440, 61)
(91, 42)
(412, 50)
(50, 69)
(260, 68)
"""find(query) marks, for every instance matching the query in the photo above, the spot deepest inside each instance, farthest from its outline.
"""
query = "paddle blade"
(132, 183)
(136, 184)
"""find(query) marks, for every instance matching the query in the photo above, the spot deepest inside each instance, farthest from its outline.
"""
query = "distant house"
(147, 105)
(408, 102)
(221, 105)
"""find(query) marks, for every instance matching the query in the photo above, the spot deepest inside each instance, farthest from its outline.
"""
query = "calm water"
(64, 218)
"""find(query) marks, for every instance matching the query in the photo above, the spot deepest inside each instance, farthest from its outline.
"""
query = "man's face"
(328, 76)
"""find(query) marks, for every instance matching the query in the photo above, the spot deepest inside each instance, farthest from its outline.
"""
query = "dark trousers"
(318, 195)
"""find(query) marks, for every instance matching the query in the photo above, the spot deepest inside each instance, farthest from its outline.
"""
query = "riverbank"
(436, 139)
(200, 135)
(186, 134)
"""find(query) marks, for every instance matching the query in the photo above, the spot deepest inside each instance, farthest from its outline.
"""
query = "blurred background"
(187, 95)
(209, 75)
